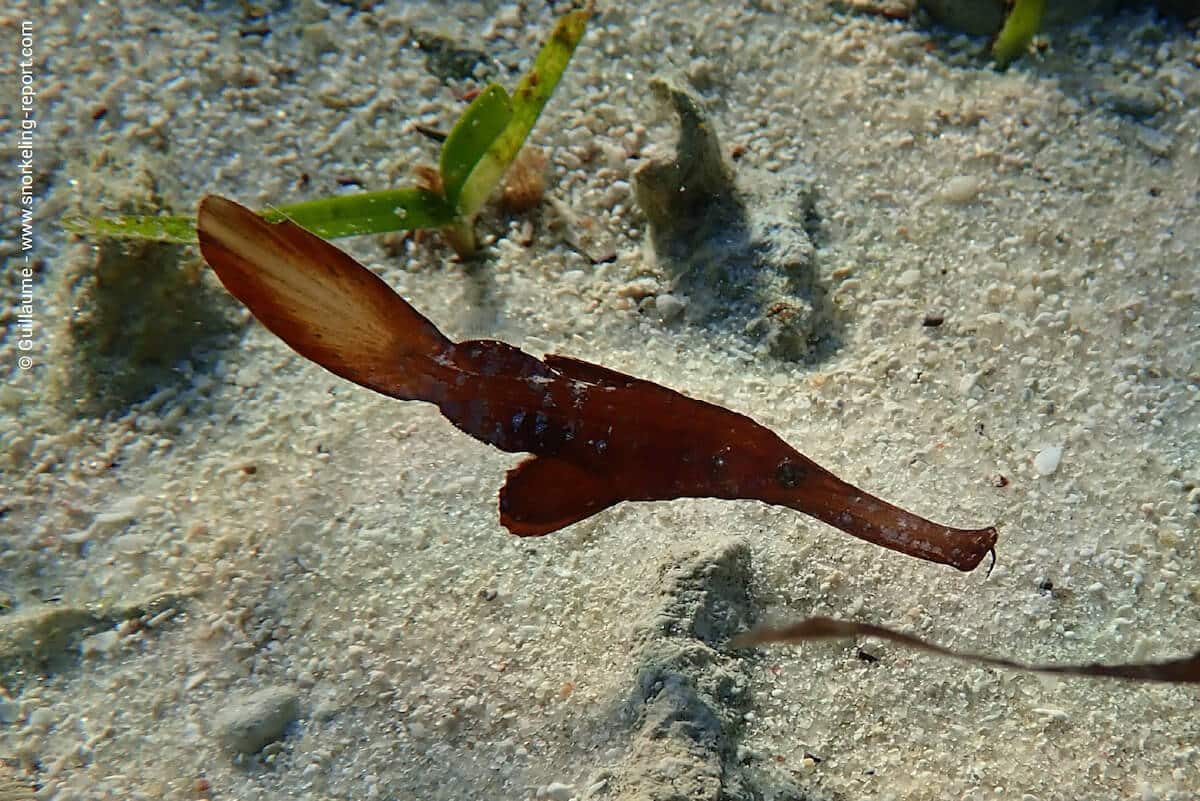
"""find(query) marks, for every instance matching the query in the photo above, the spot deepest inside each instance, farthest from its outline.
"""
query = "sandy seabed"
(286, 531)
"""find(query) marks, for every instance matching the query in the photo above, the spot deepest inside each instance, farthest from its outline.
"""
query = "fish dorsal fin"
(490, 357)
(589, 373)
(595, 374)
(544, 494)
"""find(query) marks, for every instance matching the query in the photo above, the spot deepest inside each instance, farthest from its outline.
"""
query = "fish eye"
(789, 474)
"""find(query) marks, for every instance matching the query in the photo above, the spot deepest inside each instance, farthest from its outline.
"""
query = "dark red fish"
(599, 437)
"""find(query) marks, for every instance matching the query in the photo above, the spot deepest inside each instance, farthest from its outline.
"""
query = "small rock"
(41, 719)
(556, 791)
(252, 721)
(669, 307)
(1135, 101)
(908, 279)
(18, 449)
(318, 38)
(1047, 459)
(961, 189)
(309, 11)
(10, 710)
(102, 644)
(1154, 140)
(638, 288)
(507, 17)
(1050, 713)
(120, 513)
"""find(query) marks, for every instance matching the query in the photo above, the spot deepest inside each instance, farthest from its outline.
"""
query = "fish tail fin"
(326, 306)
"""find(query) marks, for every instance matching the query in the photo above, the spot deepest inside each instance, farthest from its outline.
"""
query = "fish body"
(601, 437)
(598, 436)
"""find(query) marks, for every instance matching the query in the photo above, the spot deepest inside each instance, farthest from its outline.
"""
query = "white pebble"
(961, 189)
(1050, 713)
(41, 719)
(508, 17)
(121, 512)
(102, 644)
(556, 791)
(908, 278)
(1047, 459)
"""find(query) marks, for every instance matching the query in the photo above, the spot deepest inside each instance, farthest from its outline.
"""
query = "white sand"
(1058, 238)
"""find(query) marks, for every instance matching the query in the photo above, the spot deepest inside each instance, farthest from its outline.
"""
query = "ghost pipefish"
(598, 437)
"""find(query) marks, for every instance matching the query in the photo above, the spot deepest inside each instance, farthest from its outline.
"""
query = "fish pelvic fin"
(544, 494)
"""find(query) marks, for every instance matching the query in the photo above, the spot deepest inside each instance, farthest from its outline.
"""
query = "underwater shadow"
(738, 249)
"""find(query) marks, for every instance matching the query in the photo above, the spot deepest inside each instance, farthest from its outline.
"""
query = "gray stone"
(1134, 100)
(252, 721)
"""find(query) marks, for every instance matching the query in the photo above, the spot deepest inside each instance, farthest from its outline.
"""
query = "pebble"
(195, 680)
(556, 791)
(669, 307)
(41, 719)
(102, 644)
(10, 710)
(1135, 101)
(1047, 459)
(252, 721)
(961, 189)
(638, 288)
(508, 16)
(1157, 142)
(120, 513)
(1051, 713)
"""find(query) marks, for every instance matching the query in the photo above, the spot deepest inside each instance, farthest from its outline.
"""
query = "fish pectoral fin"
(544, 494)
